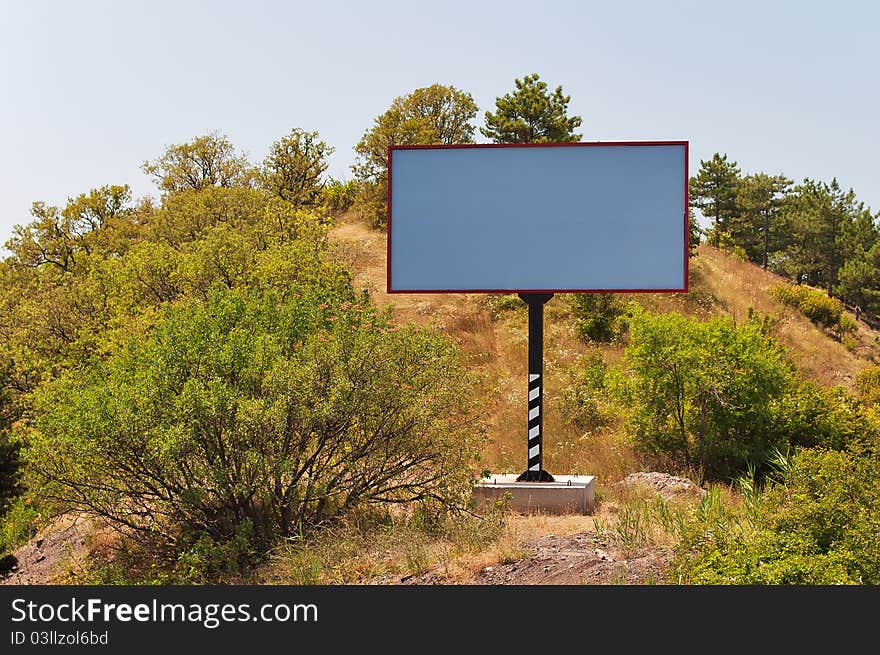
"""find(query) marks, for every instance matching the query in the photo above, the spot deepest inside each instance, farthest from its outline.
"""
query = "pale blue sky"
(89, 90)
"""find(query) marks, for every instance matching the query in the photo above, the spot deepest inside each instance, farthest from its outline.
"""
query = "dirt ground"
(585, 558)
(58, 548)
(570, 550)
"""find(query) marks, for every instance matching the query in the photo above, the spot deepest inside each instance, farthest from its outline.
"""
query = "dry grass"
(740, 285)
(379, 548)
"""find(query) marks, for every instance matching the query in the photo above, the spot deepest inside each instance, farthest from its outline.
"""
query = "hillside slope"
(720, 284)
(493, 337)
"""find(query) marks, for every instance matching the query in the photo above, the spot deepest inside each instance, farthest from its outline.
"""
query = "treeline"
(813, 232)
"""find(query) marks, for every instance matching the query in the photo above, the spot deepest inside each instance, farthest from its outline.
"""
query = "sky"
(90, 90)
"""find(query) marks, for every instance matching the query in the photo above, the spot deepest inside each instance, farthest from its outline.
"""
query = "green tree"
(714, 192)
(859, 277)
(89, 221)
(10, 462)
(295, 166)
(760, 227)
(531, 114)
(822, 216)
(596, 315)
(436, 114)
(694, 233)
(209, 160)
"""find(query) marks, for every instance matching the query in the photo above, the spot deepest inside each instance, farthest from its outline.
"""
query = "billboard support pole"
(535, 441)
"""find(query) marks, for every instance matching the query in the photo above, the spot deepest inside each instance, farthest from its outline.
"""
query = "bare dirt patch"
(50, 555)
(585, 558)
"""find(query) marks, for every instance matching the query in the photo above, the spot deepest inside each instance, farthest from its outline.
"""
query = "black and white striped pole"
(535, 470)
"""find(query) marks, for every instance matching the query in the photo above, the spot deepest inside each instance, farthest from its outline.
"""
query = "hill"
(627, 539)
(496, 343)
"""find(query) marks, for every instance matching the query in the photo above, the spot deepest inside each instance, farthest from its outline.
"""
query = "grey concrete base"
(568, 494)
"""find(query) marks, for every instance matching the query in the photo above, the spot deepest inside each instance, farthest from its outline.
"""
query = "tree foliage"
(701, 393)
(714, 192)
(435, 114)
(532, 114)
(760, 226)
(823, 214)
(597, 315)
(721, 397)
(209, 160)
(819, 523)
(295, 166)
(814, 232)
(200, 373)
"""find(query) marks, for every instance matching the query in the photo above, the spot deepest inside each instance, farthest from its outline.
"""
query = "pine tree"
(714, 192)
(759, 226)
(822, 219)
(531, 114)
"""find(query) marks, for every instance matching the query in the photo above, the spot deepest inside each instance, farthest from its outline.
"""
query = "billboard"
(560, 217)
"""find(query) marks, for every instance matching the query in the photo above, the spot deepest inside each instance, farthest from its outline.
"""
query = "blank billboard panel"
(538, 217)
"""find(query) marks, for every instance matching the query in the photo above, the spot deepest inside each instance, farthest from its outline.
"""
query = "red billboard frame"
(574, 144)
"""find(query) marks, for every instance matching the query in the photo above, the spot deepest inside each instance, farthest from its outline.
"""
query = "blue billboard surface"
(573, 217)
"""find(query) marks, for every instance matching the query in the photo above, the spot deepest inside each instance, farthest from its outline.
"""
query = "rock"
(666, 485)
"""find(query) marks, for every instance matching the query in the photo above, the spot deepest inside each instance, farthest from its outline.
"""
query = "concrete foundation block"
(568, 494)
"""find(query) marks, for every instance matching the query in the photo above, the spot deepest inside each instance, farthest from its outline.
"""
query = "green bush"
(584, 401)
(811, 415)
(597, 315)
(820, 524)
(816, 306)
(721, 397)
(338, 196)
(868, 385)
(701, 394)
(10, 470)
(500, 303)
(274, 410)
(19, 524)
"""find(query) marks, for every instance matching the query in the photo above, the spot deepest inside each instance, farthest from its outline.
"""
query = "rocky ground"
(60, 547)
(668, 486)
(585, 557)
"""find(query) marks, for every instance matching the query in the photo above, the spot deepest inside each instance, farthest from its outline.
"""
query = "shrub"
(816, 306)
(701, 393)
(868, 385)
(596, 315)
(259, 409)
(338, 195)
(500, 303)
(19, 524)
(820, 524)
(10, 470)
(811, 415)
(370, 202)
(722, 397)
(584, 400)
